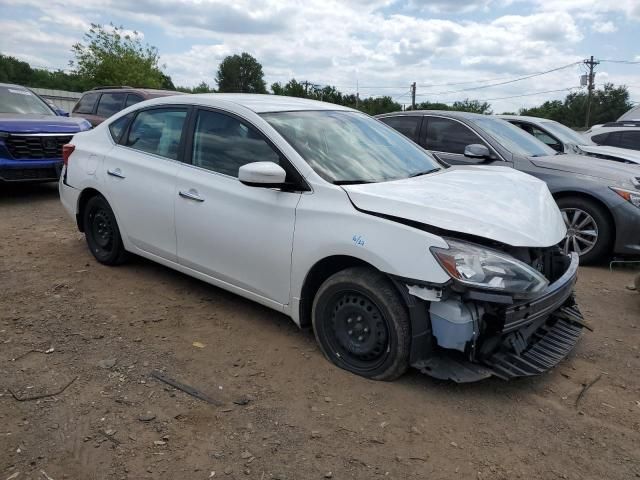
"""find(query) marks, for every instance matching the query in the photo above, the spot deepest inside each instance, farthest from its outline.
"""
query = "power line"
(528, 94)
(628, 62)
(505, 82)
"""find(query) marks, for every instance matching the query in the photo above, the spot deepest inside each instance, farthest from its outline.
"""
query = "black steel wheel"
(362, 324)
(102, 233)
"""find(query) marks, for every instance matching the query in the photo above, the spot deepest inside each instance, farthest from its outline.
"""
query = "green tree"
(292, 88)
(466, 105)
(110, 56)
(13, 70)
(473, 106)
(240, 74)
(202, 87)
(607, 104)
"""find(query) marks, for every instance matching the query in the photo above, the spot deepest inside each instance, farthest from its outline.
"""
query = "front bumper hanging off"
(535, 336)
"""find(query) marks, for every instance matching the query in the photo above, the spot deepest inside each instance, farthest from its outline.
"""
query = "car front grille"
(36, 146)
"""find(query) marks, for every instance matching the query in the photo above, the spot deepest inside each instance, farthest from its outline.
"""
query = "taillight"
(67, 150)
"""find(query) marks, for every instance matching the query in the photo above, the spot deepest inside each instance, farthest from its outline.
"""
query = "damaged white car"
(341, 223)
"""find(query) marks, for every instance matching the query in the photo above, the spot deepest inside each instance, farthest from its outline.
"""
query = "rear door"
(447, 138)
(408, 125)
(110, 103)
(239, 235)
(86, 108)
(141, 177)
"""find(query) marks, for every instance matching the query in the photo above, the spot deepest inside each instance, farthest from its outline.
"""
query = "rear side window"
(157, 131)
(132, 99)
(406, 125)
(450, 136)
(109, 104)
(86, 103)
(223, 144)
(117, 127)
(630, 139)
(600, 139)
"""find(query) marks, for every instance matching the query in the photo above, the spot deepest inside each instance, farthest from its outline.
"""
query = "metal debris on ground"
(585, 388)
(44, 395)
(185, 388)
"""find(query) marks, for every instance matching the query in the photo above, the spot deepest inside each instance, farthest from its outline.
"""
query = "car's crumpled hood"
(498, 203)
(622, 153)
(15, 123)
(591, 166)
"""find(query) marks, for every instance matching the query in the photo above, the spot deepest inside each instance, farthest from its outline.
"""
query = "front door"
(447, 138)
(141, 179)
(239, 235)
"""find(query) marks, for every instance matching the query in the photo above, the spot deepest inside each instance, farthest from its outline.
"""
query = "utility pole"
(413, 96)
(591, 63)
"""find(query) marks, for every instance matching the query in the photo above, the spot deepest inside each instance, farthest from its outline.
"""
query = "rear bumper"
(69, 197)
(26, 170)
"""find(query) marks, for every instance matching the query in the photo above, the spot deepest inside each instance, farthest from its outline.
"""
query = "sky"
(450, 48)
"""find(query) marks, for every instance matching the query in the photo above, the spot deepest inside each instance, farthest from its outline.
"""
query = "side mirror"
(262, 174)
(477, 151)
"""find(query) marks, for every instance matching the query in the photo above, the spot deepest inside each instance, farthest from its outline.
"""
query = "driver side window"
(545, 138)
(449, 136)
(222, 143)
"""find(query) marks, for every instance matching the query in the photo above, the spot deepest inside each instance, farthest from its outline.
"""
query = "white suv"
(341, 223)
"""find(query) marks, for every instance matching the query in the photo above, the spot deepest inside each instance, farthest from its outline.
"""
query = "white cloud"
(378, 43)
(604, 27)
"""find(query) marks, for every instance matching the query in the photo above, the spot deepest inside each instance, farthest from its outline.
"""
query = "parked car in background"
(32, 136)
(625, 134)
(325, 214)
(100, 103)
(563, 139)
(633, 114)
(599, 199)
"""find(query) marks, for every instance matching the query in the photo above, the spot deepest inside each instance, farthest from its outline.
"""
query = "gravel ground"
(284, 411)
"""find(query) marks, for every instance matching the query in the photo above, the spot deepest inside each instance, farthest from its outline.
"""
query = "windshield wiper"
(350, 182)
(426, 172)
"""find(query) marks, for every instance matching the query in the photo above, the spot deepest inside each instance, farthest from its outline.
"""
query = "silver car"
(621, 134)
(563, 139)
(599, 199)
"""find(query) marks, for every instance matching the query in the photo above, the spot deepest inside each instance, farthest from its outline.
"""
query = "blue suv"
(31, 136)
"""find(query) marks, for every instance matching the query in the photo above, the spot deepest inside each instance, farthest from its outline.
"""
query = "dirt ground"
(286, 412)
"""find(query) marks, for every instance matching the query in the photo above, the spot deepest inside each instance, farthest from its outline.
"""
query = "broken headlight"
(476, 266)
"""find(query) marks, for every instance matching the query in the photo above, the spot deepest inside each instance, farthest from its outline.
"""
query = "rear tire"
(586, 222)
(362, 325)
(102, 232)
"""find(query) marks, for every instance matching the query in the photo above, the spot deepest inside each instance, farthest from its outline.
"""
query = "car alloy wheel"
(582, 231)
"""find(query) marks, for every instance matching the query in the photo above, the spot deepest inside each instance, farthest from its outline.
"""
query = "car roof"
(144, 91)
(256, 102)
(13, 85)
(525, 118)
(441, 113)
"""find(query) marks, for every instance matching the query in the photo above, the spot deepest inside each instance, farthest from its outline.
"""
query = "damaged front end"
(507, 313)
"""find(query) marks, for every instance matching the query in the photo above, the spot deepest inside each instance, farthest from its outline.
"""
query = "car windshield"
(513, 138)
(351, 147)
(22, 101)
(565, 134)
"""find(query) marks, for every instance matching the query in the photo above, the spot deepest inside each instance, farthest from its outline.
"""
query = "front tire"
(362, 325)
(589, 229)
(102, 232)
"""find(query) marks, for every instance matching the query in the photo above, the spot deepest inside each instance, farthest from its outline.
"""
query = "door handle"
(191, 195)
(115, 173)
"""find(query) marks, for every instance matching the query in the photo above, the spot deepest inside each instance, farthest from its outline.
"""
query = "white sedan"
(338, 221)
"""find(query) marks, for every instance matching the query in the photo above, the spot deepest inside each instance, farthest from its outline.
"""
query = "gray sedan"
(599, 199)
